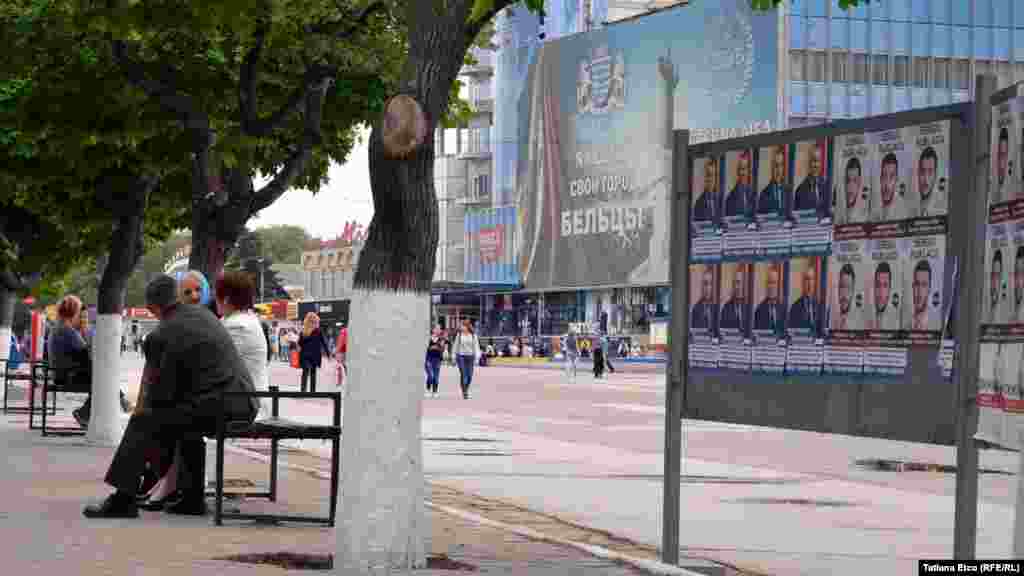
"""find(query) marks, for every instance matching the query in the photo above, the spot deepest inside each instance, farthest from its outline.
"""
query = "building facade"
(329, 267)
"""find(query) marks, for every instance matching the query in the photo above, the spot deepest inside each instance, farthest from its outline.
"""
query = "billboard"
(490, 243)
(591, 164)
(827, 255)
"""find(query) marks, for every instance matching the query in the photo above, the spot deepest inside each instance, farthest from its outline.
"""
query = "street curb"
(648, 566)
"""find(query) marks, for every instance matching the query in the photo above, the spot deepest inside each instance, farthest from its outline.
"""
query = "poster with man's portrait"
(851, 179)
(740, 199)
(703, 299)
(922, 283)
(930, 181)
(774, 192)
(891, 178)
(707, 201)
(805, 310)
(846, 272)
(811, 194)
(998, 266)
(768, 299)
(884, 313)
(734, 314)
(1004, 184)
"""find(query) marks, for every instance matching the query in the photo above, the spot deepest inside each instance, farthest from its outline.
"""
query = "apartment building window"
(922, 73)
(840, 63)
(796, 65)
(815, 66)
(880, 69)
(860, 68)
(899, 70)
(942, 72)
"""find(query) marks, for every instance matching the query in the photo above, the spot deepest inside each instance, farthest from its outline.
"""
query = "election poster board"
(835, 246)
(1000, 396)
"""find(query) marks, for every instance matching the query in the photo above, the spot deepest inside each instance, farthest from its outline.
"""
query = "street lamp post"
(260, 262)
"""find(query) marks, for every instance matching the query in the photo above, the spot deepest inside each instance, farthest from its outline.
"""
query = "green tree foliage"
(283, 243)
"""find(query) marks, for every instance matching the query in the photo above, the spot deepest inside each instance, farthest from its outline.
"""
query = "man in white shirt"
(885, 317)
(888, 205)
(921, 287)
(846, 319)
(854, 205)
(995, 288)
(931, 192)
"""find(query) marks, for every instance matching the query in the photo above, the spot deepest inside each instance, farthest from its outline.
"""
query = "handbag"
(295, 359)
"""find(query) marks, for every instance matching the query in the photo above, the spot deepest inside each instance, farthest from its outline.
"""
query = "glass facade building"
(896, 55)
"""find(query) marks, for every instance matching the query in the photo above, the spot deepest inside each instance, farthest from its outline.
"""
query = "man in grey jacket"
(182, 400)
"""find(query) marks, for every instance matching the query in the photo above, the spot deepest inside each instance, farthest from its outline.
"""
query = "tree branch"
(298, 159)
(247, 84)
(473, 28)
(169, 97)
(356, 23)
(313, 78)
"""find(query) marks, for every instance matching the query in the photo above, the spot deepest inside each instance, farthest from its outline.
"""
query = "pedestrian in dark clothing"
(311, 349)
(435, 352)
(598, 358)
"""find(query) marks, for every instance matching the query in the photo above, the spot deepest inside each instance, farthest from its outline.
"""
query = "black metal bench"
(276, 429)
(51, 385)
(32, 378)
(40, 374)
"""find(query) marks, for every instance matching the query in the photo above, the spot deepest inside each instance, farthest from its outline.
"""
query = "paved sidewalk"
(48, 480)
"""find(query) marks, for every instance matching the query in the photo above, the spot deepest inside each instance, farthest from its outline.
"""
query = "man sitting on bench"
(197, 363)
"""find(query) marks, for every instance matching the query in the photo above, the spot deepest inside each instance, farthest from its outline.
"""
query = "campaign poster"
(995, 310)
(1005, 184)
(811, 209)
(774, 196)
(769, 354)
(804, 301)
(706, 210)
(703, 301)
(891, 176)
(922, 282)
(884, 284)
(1015, 312)
(734, 316)
(847, 271)
(990, 397)
(851, 178)
(739, 205)
(930, 185)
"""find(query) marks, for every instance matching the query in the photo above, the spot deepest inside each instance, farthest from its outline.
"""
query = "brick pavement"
(47, 481)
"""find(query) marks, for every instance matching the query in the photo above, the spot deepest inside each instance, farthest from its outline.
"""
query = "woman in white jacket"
(236, 295)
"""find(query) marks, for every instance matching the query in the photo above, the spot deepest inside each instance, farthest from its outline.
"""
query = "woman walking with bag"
(466, 349)
(311, 349)
(435, 351)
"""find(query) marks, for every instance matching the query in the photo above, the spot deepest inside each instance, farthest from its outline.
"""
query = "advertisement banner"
(596, 115)
(489, 246)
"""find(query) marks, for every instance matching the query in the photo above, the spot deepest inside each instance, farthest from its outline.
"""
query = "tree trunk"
(381, 520)
(126, 248)
(218, 220)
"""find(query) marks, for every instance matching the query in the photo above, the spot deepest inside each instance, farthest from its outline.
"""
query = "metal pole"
(675, 379)
(971, 239)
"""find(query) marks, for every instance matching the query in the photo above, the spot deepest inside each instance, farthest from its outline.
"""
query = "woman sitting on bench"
(70, 357)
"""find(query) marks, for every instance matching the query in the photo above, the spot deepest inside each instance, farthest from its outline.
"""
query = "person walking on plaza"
(466, 349)
(198, 362)
(598, 358)
(606, 346)
(341, 355)
(311, 350)
(435, 352)
(571, 354)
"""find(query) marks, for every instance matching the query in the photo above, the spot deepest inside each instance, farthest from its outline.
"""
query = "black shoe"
(115, 506)
(162, 503)
(149, 480)
(188, 505)
(82, 420)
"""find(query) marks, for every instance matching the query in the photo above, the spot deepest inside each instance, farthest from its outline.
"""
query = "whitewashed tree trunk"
(381, 519)
(105, 425)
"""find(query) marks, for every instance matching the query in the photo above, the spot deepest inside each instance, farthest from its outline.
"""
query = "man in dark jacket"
(198, 361)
